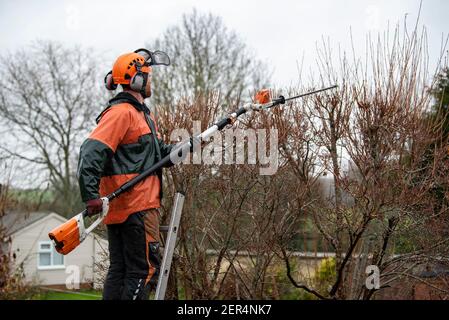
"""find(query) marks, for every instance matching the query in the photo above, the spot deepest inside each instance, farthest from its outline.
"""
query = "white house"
(41, 264)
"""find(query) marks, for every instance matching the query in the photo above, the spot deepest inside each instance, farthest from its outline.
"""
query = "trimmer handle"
(70, 234)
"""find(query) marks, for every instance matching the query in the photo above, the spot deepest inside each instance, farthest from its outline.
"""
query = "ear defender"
(147, 87)
(137, 82)
(109, 82)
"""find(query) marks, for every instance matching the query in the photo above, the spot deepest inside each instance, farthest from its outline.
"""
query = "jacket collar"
(129, 98)
(124, 97)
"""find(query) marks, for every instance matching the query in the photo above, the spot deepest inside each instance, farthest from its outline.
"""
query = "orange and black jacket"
(118, 149)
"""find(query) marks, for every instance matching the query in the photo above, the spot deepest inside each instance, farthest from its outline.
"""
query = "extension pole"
(70, 234)
(220, 125)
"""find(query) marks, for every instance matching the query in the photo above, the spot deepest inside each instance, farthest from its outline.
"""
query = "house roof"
(14, 221)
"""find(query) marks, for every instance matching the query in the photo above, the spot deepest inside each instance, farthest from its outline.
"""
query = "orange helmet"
(134, 69)
(125, 67)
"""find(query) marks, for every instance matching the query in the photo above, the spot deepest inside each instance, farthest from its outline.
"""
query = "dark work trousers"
(133, 256)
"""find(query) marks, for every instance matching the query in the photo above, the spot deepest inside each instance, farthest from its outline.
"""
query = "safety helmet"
(126, 66)
(134, 68)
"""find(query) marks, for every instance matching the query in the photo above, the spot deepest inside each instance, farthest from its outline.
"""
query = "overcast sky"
(279, 31)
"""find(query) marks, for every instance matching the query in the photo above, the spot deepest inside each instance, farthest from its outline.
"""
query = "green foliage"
(325, 274)
(441, 95)
(404, 240)
(322, 280)
(284, 288)
(31, 198)
(326, 270)
(45, 200)
(404, 244)
(441, 91)
(78, 295)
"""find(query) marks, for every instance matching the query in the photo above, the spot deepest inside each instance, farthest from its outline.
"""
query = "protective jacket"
(118, 149)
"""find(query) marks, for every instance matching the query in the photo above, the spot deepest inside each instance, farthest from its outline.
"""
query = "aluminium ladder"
(170, 243)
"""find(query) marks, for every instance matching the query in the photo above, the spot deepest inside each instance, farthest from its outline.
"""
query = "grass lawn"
(58, 295)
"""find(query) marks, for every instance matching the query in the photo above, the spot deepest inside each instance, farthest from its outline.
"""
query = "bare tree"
(206, 56)
(237, 226)
(371, 136)
(377, 121)
(235, 220)
(12, 278)
(48, 99)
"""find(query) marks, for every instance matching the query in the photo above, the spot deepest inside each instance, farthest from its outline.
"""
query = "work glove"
(94, 206)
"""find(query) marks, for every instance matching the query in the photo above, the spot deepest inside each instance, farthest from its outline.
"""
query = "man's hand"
(94, 206)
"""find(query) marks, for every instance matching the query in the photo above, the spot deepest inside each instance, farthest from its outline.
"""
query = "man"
(125, 143)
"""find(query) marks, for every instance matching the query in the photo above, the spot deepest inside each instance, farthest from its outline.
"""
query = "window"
(49, 258)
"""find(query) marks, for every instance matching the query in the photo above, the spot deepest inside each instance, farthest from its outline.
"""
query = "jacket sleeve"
(163, 147)
(99, 148)
(165, 150)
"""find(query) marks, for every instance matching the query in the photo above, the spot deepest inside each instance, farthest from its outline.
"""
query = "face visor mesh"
(155, 58)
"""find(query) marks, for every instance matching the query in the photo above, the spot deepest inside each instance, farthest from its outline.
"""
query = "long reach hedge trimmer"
(69, 235)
